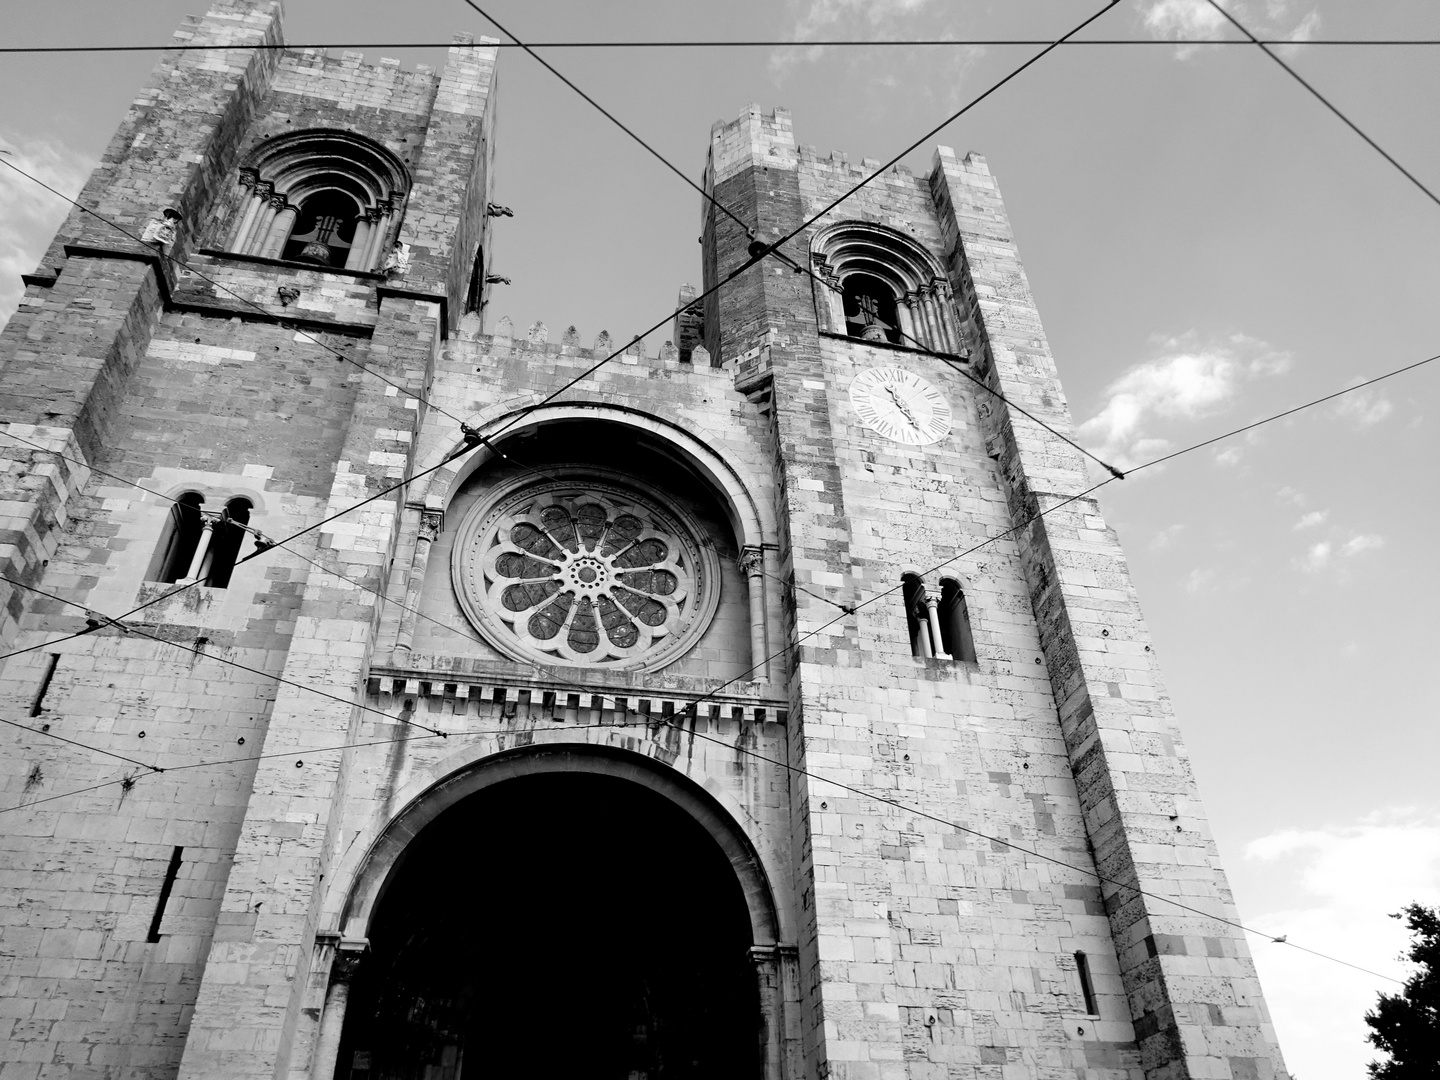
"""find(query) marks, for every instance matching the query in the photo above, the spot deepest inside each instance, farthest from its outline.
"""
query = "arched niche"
(690, 477)
(364, 881)
(324, 196)
(869, 274)
(437, 489)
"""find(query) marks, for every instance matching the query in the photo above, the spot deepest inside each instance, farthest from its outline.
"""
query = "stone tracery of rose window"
(582, 573)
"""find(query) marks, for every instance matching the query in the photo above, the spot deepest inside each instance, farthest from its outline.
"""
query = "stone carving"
(538, 334)
(504, 330)
(288, 295)
(602, 342)
(431, 522)
(162, 230)
(583, 572)
(397, 263)
(571, 336)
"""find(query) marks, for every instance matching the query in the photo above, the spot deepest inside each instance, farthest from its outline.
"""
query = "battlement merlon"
(754, 138)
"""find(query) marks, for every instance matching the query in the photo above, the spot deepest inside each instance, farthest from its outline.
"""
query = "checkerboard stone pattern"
(938, 840)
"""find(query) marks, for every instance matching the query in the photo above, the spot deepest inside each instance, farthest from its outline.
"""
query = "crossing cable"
(758, 249)
(758, 252)
(1265, 48)
(693, 707)
(103, 620)
(827, 43)
(774, 249)
(268, 315)
(83, 746)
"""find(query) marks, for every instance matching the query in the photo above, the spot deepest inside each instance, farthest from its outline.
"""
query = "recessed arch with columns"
(378, 850)
(376, 857)
(749, 517)
(888, 258)
(366, 183)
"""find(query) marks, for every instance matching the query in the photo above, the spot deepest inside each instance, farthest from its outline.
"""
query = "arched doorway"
(565, 924)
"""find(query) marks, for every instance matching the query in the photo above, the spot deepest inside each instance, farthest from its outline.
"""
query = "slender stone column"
(932, 616)
(379, 222)
(358, 244)
(752, 565)
(911, 332)
(250, 241)
(202, 550)
(252, 203)
(280, 227)
(348, 955)
(431, 522)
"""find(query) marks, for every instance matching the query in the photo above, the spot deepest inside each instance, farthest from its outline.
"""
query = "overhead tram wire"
(117, 621)
(827, 43)
(1265, 48)
(763, 250)
(693, 707)
(750, 230)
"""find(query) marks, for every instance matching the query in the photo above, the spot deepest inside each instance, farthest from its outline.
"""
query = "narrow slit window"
(38, 704)
(1087, 988)
(477, 282)
(957, 639)
(180, 540)
(171, 873)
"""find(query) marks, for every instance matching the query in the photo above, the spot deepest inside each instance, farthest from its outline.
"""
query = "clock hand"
(904, 409)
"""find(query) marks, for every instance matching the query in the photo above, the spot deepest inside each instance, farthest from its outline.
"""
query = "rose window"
(582, 573)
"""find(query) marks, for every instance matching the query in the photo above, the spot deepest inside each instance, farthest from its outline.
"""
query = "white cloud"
(1317, 557)
(1198, 580)
(1229, 456)
(1364, 407)
(1347, 880)
(1290, 494)
(1187, 381)
(1310, 520)
(1191, 20)
(31, 214)
(1366, 542)
(1183, 20)
(1166, 536)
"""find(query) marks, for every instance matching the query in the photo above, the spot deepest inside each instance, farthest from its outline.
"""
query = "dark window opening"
(956, 639)
(323, 230)
(181, 539)
(1087, 988)
(171, 873)
(870, 312)
(229, 532)
(39, 701)
(912, 592)
(474, 296)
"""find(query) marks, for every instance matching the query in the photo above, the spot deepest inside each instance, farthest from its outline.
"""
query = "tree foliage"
(1406, 1026)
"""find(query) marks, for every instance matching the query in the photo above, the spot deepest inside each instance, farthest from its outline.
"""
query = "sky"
(1207, 245)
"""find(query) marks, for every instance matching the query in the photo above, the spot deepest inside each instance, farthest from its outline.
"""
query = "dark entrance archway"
(566, 925)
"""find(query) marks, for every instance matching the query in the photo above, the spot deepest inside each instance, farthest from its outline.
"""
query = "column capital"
(349, 953)
(431, 522)
(752, 562)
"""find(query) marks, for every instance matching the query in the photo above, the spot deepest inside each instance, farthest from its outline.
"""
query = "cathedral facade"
(395, 693)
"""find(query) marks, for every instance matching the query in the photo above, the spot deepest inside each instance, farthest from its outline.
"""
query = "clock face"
(901, 406)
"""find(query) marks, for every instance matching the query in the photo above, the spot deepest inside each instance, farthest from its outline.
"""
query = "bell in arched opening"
(324, 231)
(870, 309)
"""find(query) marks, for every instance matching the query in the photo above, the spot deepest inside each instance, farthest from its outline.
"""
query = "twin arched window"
(939, 623)
(883, 287)
(198, 545)
(324, 197)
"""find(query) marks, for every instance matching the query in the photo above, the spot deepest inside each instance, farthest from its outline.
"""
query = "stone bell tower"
(1008, 685)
